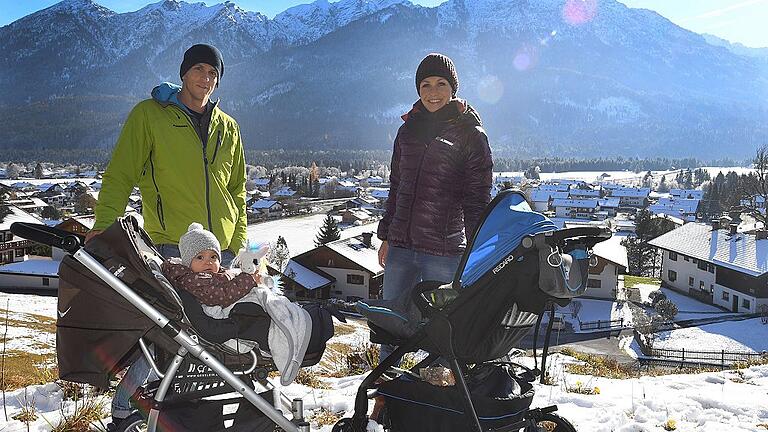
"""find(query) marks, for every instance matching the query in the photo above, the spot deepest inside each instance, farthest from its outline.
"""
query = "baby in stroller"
(258, 313)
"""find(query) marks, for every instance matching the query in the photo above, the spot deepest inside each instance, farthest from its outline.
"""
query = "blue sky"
(741, 21)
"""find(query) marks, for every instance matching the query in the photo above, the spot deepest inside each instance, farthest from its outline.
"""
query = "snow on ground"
(593, 310)
(299, 232)
(709, 402)
(688, 307)
(746, 335)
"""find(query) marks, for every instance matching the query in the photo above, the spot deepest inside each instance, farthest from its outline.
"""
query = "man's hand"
(91, 234)
(383, 249)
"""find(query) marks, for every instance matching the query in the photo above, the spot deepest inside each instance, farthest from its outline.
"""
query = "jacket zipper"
(204, 142)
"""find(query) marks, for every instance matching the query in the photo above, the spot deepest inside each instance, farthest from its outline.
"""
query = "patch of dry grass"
(341, 329)
(87, 411)
(22, 369)
(311, 379)
(324, 417)
(606, 367)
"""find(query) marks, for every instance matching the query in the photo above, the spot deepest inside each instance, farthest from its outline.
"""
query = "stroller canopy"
(505, 225)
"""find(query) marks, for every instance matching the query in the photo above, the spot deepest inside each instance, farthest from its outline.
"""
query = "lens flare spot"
(490, 89)
(525, 58)
(578, 12)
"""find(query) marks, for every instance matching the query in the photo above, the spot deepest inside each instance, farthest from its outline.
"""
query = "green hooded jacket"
(181, 178)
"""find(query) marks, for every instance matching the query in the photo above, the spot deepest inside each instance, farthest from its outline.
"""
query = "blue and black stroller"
(517, 267)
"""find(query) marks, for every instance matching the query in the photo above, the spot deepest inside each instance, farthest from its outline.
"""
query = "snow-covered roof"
(540, 195)
(685, 193)
(379, 193)
(41, 267)
(741, 252)
(631, 192)
(613, 251)
(16, 215)
(585, 192)
(675, 220)
(263, 204)
(360, 214)
(587, 203)
(354, 249)
(553, 187)
(608, 202)
(263, 181)
(87, 220)
(304, 276)
(285, 191)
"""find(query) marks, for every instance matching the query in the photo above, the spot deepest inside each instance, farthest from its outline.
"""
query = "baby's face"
(205, 261)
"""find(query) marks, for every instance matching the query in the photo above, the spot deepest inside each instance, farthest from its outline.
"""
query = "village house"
(578, 209)
(356, 216)
(631, 197)
(352, 265)
(12, 248)
(301, 283)
(717, 264)
(612, 261)
(682, 208)
(267, 208)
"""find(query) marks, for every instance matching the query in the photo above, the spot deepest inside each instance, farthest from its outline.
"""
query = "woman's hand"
(383, 249)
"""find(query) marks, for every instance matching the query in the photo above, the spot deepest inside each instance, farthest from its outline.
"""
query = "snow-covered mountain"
(737, 48)
(549, 77)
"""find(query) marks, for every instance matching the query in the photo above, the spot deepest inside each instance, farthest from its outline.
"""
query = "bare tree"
(757, 186)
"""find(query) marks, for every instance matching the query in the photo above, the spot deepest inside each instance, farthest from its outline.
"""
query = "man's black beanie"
(202, 53)
(436, 64)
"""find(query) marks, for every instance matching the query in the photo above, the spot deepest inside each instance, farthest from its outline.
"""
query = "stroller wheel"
(550, 422)
(133, 423)
(350, 425)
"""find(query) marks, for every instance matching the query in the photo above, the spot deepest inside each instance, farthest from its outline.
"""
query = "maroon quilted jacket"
(439, 187)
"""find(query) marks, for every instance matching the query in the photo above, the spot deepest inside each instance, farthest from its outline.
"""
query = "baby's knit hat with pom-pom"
(196, 240)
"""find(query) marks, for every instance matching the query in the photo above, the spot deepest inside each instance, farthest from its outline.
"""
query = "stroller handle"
(50, 236)
(596, 233)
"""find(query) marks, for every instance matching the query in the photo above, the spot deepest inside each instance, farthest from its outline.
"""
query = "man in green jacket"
(186, 156)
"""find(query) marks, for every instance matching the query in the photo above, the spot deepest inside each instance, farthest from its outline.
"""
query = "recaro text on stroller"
(514, 269)
(114, 305)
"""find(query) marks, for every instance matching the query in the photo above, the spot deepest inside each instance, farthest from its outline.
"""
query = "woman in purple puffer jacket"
(440, 184)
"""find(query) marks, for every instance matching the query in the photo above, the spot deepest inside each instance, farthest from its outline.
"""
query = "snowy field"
(740, 336)
(711, 402)
(299, 232)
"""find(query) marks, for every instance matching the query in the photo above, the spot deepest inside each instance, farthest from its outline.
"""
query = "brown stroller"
(114, 305)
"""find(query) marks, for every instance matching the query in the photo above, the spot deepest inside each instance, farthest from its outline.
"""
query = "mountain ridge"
(549, 78)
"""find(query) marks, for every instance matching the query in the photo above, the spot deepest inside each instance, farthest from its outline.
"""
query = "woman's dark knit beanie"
(436, 64)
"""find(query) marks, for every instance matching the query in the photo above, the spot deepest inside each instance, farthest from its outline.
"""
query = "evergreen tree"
(663, 187)
(38, 171)
(328, 232)
(279, 254)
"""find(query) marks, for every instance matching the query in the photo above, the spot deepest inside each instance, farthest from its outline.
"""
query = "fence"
(601, 324)
(682, 355)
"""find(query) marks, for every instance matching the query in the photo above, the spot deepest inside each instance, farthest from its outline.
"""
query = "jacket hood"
(467, 114)
(168, 93)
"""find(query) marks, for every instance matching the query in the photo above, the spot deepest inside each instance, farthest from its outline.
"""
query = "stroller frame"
(438, 331)
(188, 344)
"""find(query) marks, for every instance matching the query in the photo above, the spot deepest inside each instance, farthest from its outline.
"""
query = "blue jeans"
(405, 268)
(139, 371)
